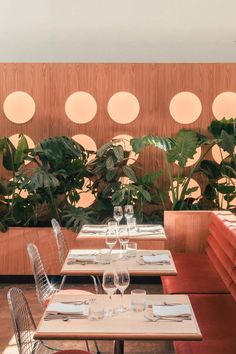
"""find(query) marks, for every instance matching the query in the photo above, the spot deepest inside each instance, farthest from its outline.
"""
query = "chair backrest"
(44, 288)
(23, 322)
(62, 246)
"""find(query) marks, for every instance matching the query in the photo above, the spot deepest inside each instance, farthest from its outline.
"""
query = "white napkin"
(150, 228)
(82, 258)
(67, 309)
(78, 253)
(173, 310)
(157, 258)
(95, 229)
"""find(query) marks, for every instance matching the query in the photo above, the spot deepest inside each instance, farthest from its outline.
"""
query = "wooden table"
(125, 326)
(131, 263)
(146, 240)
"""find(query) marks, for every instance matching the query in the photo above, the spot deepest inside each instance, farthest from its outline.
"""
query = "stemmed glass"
(108, 284)
(128, 211)
(118, 213)
(111, 236)
(122, 280)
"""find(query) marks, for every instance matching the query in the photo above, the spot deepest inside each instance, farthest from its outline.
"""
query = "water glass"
(138, 300)
(105, 256)
(96, 308)
(131, 249)
(112, 227)
(131, 224)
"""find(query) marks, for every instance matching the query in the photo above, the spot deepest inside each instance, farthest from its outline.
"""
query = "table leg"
(118, 347)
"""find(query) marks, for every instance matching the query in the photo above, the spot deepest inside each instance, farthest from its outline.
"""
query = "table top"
(143, 232)
(127, 325)
(132, 263)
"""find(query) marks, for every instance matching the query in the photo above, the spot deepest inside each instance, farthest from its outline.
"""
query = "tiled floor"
(7, 340)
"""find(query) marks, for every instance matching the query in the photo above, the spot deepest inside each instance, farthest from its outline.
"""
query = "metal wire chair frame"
(44, 289)
(23, 324)
(63, 250)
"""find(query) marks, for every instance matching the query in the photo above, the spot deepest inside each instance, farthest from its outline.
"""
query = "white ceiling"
(117, 30)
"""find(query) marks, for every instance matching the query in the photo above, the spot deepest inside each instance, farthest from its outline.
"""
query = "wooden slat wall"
(153, 84)
(186, 231)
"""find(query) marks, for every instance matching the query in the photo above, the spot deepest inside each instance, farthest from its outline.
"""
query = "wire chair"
(44, 289)
(63, 250)
(24, 326)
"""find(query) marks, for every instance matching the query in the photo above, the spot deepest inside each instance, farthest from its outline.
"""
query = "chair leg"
(62, 282)
(95, 283)
(87, 346)
(96, 346)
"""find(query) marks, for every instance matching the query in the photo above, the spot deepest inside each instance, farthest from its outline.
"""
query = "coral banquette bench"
(210, 281)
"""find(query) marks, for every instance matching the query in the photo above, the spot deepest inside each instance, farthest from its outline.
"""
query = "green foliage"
(55, 179)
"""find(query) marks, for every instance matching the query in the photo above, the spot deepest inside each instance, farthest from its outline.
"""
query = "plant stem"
(170, 177)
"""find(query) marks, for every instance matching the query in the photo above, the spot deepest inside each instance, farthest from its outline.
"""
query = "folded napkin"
(172, 310)
(159, 258)
(97, 229)
(78, 253)
(67, 309)
(150, 228)
(81, 258)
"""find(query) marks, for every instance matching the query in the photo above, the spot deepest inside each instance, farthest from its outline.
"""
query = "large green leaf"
(119, 153)
(227, 142)
(210, 168)
(186, 143)
(227, 125)
(9, 155)
(21, 153)
(128, 171)
(162, 143)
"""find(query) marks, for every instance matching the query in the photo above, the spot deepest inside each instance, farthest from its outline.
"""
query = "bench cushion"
(196, 275)
(216, 316)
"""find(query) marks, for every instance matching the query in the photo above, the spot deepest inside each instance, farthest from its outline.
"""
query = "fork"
(160, 318)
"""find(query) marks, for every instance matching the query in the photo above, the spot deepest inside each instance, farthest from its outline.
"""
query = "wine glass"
(128, 211)
(111, 235)
(123, 239)
(118, 213)
(122, 280)
(108, 284)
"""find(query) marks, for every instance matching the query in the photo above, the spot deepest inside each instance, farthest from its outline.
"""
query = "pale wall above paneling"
(117, 31)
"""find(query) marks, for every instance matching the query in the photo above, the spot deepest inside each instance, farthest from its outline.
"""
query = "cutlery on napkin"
(182, 311)
(158, 258)
(94, 229)
(58, 308)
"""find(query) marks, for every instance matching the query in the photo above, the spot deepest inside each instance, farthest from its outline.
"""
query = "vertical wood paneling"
(186, 231)
(153, 84)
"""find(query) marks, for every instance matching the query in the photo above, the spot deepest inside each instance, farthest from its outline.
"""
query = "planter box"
(186, 231)
(14, 258)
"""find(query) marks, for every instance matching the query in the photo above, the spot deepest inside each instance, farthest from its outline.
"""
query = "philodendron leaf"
(9, 155)
(162, 143)
(119, 153)
(210, 192)
(145, 194)
(186, 143)
(224, 189)
(109, 163)
(129, 173)
(103, 149)
(227, 142)
(20, 150)
(210, 168)
(217, 126)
